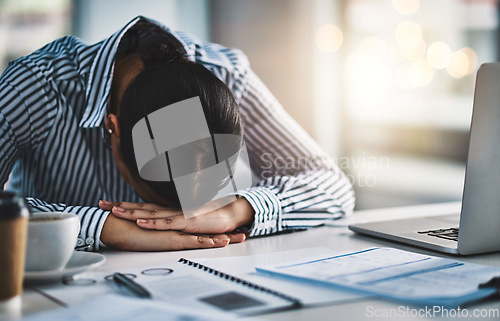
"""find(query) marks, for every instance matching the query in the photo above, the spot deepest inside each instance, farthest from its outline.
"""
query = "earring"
(110, 131)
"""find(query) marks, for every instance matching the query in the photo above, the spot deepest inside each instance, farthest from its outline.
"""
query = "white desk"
(336, 238)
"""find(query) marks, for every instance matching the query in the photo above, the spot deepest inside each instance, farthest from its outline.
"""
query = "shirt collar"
(101, 73)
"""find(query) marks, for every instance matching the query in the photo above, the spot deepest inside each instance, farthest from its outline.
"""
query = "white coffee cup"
(51, 240)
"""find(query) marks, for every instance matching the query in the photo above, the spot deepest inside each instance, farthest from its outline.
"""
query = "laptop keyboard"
(446, 233)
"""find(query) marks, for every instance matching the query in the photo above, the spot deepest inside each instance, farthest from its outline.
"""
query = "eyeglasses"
(70, 280)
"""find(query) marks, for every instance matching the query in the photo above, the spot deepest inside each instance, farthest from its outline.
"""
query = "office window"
(409, 73)
(385, 86)
(26, 25)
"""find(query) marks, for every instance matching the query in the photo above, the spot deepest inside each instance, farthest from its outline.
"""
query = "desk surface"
(337, 238)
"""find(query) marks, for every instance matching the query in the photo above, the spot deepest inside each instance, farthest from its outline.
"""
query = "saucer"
(79, 262)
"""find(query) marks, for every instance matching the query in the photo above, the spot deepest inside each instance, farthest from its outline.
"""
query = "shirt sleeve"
(293, 172)
(27, 111)
(28, 105)
(91, 220)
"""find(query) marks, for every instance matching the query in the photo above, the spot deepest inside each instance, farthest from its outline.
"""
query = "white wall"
(279, 39)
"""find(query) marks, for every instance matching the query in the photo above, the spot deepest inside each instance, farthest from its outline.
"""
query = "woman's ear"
(113, 126)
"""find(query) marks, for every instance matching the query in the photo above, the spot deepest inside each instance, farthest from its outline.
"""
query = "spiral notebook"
(246, 297)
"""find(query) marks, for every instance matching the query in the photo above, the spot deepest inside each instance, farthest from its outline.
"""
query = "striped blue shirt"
(52, 141)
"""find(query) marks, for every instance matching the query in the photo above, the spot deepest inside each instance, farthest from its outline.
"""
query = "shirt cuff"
(267, 207)
(99, 230)
(91, 222)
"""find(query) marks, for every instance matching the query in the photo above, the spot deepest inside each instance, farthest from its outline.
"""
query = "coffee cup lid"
(12, 205)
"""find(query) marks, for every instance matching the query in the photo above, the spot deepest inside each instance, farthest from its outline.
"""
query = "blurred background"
(384, 86)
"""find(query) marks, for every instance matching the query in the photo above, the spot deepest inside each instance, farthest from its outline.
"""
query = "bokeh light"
(471, 54)
(329, 38)
(368, 77)
(409, 34)
(420, 73)
(406, 7)
(373, 46)
(413, 53)
(439, 55)
(463, 62)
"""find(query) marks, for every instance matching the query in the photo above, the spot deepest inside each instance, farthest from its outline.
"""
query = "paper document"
(396, 274)
(175, 283)
(308, 294)
(112, 307)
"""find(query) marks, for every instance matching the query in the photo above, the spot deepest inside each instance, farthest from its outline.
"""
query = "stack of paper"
(396, 274)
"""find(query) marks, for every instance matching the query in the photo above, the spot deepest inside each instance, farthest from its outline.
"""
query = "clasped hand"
(151, 227)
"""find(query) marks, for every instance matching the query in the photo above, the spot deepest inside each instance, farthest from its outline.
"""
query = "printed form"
(396, 274)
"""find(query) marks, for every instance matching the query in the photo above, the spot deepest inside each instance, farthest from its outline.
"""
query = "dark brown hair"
(169, 77)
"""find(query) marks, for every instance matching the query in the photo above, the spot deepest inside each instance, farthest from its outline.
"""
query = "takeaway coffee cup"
(13, 234)
(51, 240)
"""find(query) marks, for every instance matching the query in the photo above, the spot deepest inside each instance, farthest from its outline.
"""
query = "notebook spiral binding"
(296, 303)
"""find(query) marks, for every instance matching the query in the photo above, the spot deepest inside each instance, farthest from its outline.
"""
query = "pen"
(131, 285)
(493, 283)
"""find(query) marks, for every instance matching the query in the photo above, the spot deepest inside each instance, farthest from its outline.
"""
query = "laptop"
(476, 229)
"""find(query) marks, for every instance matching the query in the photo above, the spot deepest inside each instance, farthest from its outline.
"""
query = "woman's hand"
(126, 235)
(154, 217)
